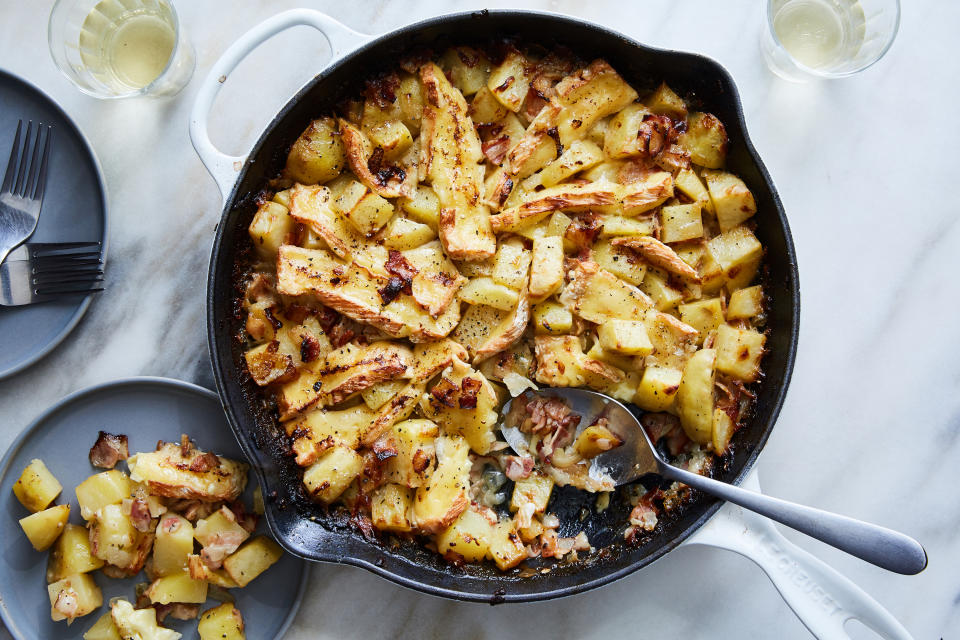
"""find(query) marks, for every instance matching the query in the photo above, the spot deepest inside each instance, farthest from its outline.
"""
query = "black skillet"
(305, 529)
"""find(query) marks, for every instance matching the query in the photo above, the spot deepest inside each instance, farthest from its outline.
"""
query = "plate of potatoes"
(129, 512)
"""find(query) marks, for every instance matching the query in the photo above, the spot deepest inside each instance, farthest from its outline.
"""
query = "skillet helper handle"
(822, 598)
(224, 167)
(888, 549)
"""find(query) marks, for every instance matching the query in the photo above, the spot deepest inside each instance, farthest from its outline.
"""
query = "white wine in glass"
(827, 38)
(127, 48)
(820, 33)
(121, 48)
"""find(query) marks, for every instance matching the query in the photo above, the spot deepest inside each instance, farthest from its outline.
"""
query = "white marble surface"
(865, 167)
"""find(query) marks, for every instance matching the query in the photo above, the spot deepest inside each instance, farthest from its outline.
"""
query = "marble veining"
(865, 168)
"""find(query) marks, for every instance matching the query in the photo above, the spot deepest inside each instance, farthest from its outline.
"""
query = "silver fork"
(45, 272)
(21, 195)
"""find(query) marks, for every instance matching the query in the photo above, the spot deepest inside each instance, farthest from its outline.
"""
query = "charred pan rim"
(306, 538)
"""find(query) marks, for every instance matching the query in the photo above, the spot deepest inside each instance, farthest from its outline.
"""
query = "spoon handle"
(883, 547)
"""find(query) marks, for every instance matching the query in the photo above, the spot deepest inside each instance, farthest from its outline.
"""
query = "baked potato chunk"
(732, 201)
(177, 587)
(318, 155)
(270, 228)
(588, 95)
(330, 476)
(415, 456)
(444, 497)
(665, 102)
(220, 535)
(745, 303)
(509, 81)
(695, 396)
(256, 556)
(705, 140)
(318, 429)
(561, 362)
(596, 295)
(103, 629)
(71, 554)
(44, 527)
(390, 508)
(739, 352)
(531, 495)
(74, 596)
(468, 538)
(551, 317)
(172, 545)
(738, 253)
(679, 222)
(115, 540)
(97, 491)
(223, 622)
(36, 487)
(628, 337)
(546, 271)
(506, 547)
(703, 315)
(463, 403)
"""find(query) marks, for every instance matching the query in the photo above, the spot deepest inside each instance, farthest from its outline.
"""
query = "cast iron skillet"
(305, 529)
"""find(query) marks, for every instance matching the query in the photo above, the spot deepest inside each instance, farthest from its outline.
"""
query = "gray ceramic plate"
(146, 410)
(74, 210)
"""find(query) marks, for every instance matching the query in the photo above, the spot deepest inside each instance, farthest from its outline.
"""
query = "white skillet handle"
(822, 598)
(224, 167)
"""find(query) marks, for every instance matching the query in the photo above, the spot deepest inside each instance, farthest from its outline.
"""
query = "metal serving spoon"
(638, 456)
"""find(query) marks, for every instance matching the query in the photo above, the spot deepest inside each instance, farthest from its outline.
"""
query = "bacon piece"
(140, 514)
(382, 90)
(222, 545)
(469, 388)
(181, 611)
(644, 515)
(204, 462)
(495, 149)
(517, 468)
(67, 603)
(108, 450)
(444, 392)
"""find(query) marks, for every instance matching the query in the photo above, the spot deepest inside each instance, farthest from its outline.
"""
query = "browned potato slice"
(342, 373)
(452, 159)
(587, 96)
